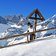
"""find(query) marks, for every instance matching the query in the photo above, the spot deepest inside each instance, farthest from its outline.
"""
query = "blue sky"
(25, 7)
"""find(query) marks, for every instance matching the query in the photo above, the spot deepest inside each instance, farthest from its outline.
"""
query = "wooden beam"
(35, 21)
(34, 18)
(36, 11)
(12, 45)
(31, 13)
(40, 15)
(15, 36)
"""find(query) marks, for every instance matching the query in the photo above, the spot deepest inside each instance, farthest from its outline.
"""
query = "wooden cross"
(35, 12)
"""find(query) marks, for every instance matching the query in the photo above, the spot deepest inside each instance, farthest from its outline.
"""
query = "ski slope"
(36, 48)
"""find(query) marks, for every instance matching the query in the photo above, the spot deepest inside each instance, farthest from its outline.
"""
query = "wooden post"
(27, 38)
(35, 21)
(27, 35)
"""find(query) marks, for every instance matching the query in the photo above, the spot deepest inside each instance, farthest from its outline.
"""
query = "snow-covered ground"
(4, 27)
(36, 48)
(16, 26)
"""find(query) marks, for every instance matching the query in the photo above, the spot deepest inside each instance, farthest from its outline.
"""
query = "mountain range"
(12, 25)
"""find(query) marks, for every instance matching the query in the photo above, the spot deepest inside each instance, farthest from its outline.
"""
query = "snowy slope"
(36, 48)
(3, 29)
(49, 23)
(2, 20)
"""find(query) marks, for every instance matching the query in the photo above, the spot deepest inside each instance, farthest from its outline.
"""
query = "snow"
(30, 29)
(17, 40)
(4, 27)
(16, 26)
(36, 48)
(3, 42)
(54, 15)
(3, 34)
(38, 27)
